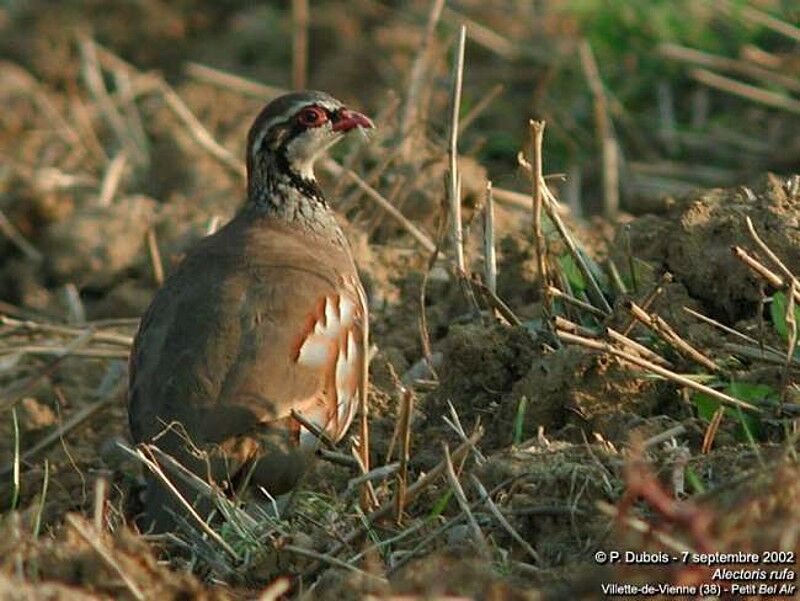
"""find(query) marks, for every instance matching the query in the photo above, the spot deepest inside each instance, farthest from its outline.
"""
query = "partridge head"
(264, 318)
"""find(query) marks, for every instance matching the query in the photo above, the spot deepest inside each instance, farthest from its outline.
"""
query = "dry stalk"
(378, 473)
(112, 179)
(664, 436)
(368, 498)
(299, 44)
(550, 204)
(199, 132)
(406, 411)
(537, 136)
(761, 18)
(520, 202)
(100, 497)
(724, 63)
(422, 322)
(413, 491)
(640, 349)
(85, 532)
(458, 491)
(664, 331)
(418, 71)
(315, 430)
(772, 278)
(155, 257)
(643, 527)
(656, 369)
(336, 170)
(93, 77)
(496, 303)
(768, 251)
(10, 231)
(649, 299)
(767, 354)
(728, 330)
(479, 107)
(553, 292)
(482, 35)
(10, 396)
(711, 430)
(605, 133)
(454, 192)
(76, 419)
(489, 255)
(747, 91)
(502, 519)
(235, 83)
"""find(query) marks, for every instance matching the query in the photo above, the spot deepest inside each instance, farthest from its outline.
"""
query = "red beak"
(350, 120)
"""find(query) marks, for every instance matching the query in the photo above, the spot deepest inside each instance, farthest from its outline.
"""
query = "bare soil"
(570, 455)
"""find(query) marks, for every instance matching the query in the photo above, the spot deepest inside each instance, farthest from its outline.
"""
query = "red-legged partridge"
(264, 316)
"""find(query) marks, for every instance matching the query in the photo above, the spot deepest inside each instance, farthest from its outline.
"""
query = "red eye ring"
(312, 116)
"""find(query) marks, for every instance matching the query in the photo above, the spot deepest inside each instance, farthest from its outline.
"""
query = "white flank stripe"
(347, 310)
(314, 352)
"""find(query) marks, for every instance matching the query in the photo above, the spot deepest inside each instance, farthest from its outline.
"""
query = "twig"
(521, 202)
(412, 492)
(489, 255)
(502, 519)
(458, 491)
(94, 541)
(454, 188)
(657, 369)
(94, 81)
(334, 168)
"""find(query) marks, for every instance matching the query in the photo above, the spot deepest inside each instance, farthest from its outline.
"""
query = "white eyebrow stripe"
(285, 116)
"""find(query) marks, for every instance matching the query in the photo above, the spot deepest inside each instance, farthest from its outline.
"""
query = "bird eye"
(312, 116)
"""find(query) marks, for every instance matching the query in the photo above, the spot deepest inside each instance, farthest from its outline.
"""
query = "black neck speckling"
(276, 190)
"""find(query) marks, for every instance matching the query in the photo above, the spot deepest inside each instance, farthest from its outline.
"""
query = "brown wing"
(255, 323)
